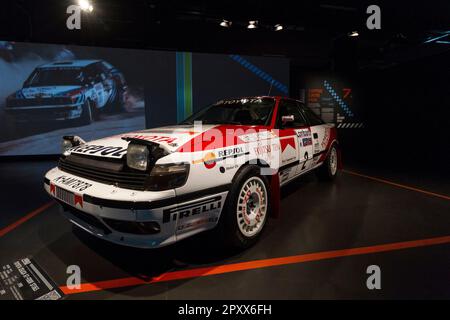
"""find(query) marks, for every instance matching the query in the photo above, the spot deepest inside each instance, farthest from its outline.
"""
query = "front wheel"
(329, 169)
(246, 208)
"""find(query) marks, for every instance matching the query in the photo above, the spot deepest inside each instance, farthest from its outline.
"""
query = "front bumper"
(94, 205)
(45, 113)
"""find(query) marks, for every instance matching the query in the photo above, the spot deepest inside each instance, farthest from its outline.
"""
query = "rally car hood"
(179, 138)
(170, 138)
(46, 92)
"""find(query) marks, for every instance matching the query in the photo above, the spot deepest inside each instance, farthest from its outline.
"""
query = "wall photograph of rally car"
(220, 169)
(75, 90)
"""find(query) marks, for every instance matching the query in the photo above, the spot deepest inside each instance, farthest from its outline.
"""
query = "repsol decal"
(210, 159)
(192, 209)
(105, 151)
(231, 152)
(73, 183)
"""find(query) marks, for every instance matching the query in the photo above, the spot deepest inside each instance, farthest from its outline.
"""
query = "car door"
(295, 140)
(321, 134)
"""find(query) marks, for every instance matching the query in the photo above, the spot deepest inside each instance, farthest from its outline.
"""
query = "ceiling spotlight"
(225, 23)
(278, 27)
(253, 24)
(85, 5)
(353, 34)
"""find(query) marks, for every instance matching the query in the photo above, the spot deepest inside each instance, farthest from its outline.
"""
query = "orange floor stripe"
(24, 219)
(442, 196)
(256, 264)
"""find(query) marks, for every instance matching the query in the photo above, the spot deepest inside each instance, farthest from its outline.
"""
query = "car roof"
(69, 63)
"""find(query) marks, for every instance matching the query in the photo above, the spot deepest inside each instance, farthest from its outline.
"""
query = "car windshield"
(252, 111)
(58, 77)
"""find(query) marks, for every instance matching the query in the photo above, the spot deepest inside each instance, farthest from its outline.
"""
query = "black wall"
(406, 111)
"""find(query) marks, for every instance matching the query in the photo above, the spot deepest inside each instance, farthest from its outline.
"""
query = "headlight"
(69, 142)
(137, 156)
(168, 176)
(143, 155)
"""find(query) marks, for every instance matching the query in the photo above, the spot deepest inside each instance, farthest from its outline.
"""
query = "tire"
(238, 228)
(329, 169)
(117, 105)
(87, 114)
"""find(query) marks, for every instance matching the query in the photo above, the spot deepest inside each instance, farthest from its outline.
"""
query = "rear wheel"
(246, 208)
(329, 169)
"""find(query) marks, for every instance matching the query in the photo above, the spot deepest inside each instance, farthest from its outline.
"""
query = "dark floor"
(316, 217)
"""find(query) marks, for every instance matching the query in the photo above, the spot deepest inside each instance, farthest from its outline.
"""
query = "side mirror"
(287, 119)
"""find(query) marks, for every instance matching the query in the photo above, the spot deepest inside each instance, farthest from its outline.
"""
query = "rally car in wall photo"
(220, 169)
(75, 90)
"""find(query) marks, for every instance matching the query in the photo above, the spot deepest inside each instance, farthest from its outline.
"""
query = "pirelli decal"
(192, 209)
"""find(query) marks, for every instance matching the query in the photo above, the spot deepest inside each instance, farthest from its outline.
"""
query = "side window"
(290, 108)
(313, 119)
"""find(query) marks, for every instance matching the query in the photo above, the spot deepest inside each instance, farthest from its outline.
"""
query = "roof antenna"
(270, 89)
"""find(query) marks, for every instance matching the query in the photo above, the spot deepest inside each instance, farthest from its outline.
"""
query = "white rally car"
(73, 90)
(221, 168)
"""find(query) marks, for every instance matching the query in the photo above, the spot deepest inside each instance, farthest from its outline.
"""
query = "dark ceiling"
(315, 31)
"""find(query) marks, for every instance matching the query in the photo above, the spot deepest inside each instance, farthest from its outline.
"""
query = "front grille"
(106, 171)
(65, 195)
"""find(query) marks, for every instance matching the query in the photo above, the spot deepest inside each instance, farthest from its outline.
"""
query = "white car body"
(197, 205)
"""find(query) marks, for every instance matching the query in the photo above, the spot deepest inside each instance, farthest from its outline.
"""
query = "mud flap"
(275, 195)
(340, 164)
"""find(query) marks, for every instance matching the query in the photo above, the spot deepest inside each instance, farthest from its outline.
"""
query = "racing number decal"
(306, 160)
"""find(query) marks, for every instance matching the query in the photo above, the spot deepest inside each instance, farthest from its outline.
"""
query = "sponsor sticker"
(306, 142)
(210, 159)
(197, 223)
(73, 183)
(303, 133)
(266, 149)
(105, 151)
(197, 208)
(288, 141)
